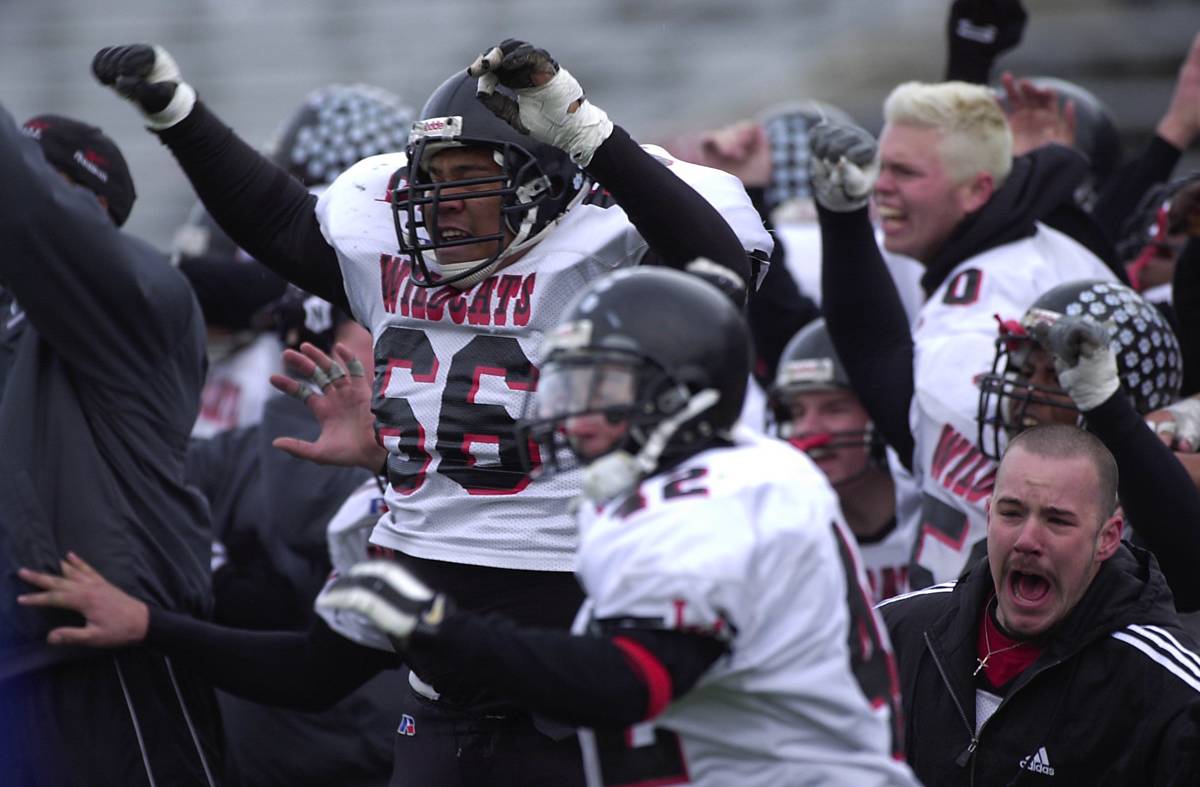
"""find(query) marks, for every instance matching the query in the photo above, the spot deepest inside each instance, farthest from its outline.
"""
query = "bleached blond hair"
(975, 133)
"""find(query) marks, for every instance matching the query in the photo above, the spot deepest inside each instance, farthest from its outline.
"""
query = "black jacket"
(104, 357)
(1106, 702)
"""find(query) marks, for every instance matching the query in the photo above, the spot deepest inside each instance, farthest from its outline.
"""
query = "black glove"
(842, 165)
(979, 31)
(148, 76)
(391, 598)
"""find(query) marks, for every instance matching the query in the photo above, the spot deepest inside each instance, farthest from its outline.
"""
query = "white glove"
(546, 107)
(1087, 367)
(388, 595)
(843, 165)
(1186, 426)
(148, 76)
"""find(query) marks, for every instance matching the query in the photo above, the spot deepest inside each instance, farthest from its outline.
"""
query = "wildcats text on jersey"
(501, 299)
(960, 467)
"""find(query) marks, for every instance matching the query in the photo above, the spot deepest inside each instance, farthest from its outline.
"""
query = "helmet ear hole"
(670, 400)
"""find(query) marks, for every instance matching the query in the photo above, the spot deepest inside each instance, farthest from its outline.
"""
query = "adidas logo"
(1038, 762)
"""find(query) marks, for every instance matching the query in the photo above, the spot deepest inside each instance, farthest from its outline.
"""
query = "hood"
(1040, 182)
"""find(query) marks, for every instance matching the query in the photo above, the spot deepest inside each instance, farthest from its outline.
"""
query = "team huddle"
(780, 454)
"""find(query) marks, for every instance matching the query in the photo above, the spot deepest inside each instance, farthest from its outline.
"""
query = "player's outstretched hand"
(388, 595)
(1036, 116)
(550, 105)
(147, 75)
(843, 165)
(112, 617)
(1180, 125)
(1087, 367)
(338, 393)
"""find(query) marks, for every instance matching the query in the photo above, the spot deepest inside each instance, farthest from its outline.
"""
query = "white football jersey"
(802, 252)
(954, 342)
(348, 536)
(454, 368)
(237, 387)
(746, 544)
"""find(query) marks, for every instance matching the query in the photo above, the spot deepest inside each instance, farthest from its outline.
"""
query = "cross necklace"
(987, 643)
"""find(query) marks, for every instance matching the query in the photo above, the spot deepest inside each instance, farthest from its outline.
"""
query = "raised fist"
(985, 28)
(148, 76)
(842, 166)
(1087, 368)
(550, 106)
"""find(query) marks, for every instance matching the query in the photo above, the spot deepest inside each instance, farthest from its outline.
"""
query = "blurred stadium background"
(657, 66)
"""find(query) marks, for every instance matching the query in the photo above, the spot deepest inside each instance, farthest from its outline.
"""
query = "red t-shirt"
(1010, 657)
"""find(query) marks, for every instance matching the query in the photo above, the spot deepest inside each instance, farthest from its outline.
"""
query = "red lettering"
(418, 303)
(393, 272)
(480, 312)
(950, 446)
(437, 303)
(525, 304)
(457, 305)
(506, 288)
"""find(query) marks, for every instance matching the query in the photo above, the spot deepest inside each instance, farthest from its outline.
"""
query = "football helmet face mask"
(535, 185)
(648, 367)
(1019, 390)
(809, 364)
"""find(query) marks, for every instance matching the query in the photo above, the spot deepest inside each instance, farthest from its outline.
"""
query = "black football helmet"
(1148, 358)
(537, 184)
(810, 363)
(659, 351)
(337, 126)
(298, 317)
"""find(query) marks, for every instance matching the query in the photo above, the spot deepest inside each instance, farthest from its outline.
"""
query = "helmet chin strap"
(619, 471)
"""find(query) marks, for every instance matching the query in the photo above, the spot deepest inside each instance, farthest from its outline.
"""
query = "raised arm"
(677, 222)
(107, 303)
(266, 211)
(877, 352)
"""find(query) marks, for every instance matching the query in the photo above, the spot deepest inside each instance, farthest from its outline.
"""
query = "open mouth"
(891, 218)
(1027, 588)
(453, 234)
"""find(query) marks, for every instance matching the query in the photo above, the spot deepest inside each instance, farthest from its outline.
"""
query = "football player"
(951, 196)
(333, 127)
(727, 637)
(815, 409)
(458, 255)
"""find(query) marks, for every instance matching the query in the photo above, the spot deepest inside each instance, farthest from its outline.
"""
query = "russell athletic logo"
(408, 726)
(1038, 762)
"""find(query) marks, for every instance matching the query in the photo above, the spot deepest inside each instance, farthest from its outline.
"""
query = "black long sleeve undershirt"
(291, 669)
(1127, 187)
(1157, 494)
(677, 223)
(579, 680)
(1185, 297)
(262, 208)
(877, 352)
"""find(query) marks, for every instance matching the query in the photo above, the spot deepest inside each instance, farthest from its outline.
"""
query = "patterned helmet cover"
(337, 126)
(787, 128)
(1149, 361)
(1148, 356)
